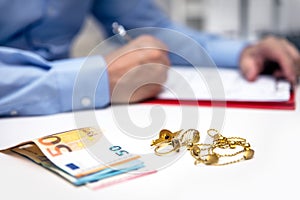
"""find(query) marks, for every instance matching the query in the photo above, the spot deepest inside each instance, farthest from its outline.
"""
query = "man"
(37, 77)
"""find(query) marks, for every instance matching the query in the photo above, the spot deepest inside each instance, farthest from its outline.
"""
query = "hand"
(255, 59)
(137, 70)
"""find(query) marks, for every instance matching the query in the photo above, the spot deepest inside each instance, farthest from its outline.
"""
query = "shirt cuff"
(82, 82)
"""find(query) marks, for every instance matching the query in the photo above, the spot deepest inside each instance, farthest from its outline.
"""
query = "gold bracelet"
(208, 154)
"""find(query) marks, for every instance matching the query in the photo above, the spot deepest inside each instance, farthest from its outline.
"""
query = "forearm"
(201, 47)
(28, 87)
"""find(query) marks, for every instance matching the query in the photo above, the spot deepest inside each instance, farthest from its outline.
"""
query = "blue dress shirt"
(37, 75)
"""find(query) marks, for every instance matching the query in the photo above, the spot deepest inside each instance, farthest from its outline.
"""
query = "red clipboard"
(282, 105)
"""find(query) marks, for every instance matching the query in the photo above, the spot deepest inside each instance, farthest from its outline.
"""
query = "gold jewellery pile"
(220, 151)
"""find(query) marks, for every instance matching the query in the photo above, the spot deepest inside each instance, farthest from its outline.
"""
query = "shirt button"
(85, 102)
(13, 112)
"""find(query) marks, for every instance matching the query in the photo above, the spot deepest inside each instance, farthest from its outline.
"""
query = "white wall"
(291, 15)
(222, 16)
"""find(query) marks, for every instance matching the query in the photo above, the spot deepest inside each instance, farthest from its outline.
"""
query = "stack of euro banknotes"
(83, 157)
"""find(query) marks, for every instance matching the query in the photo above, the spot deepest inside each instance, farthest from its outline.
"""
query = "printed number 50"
(51, 141)
(118, 150)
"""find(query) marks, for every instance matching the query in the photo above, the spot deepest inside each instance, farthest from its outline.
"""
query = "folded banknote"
(80, 156)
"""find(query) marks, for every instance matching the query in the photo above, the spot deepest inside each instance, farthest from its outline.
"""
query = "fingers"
(295, 54)
(285, 55)
(139, 83)
(149, 82)
(151, 55)
(292, 50)
(251, 63)
(298, 68)
(287, 67)
(147, 41)
(270, 49)
(141, 50)
(137, 70)
(150, 49)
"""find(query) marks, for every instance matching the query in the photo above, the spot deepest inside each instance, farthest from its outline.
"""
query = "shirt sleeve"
(30, 85)
(224, 52)
(134, 14)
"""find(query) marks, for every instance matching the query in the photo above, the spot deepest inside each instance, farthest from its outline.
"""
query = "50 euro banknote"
(80, 156)
(83, 151)
(31, 151)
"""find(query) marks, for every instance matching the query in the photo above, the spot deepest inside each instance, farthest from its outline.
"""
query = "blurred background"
(247, 19)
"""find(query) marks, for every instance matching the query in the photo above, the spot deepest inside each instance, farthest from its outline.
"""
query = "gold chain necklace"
(221, 151)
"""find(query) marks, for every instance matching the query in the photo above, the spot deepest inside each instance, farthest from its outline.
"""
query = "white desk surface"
(272, 174)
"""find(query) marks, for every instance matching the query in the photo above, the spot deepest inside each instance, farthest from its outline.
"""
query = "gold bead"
(232, 144)
(198, 161)
(190, 145)
(248, 154)
(195, 151)
(196, 137)
(218, 137)
(211, 159)
(247, 145)
(165, 134)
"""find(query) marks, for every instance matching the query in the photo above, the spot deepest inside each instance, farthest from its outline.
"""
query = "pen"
(120, 30)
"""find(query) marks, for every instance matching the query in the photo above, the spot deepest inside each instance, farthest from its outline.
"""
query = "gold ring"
(176, 146)
(212, 130)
